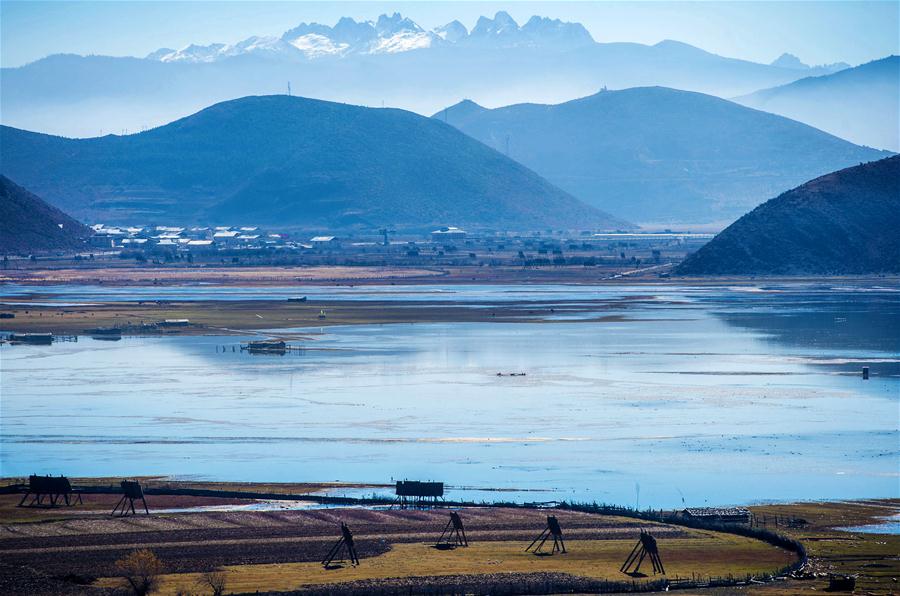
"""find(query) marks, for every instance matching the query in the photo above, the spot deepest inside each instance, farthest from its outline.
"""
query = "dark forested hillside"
(28, 224)
(845, 222)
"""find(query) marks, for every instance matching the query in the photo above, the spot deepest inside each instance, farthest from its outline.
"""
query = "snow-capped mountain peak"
(258, 45)
(355, 34)
(314, 45)
(387, 26)
(192, 53)
(542, 30)
(387, 35)
(501, 25)
(452, 32)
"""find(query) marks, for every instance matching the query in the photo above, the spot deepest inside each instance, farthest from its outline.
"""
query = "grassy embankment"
(875, 558)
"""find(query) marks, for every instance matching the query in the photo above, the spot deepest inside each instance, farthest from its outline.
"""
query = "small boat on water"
(265, 346)
(104, 333)
(31, 338)
(297, 299)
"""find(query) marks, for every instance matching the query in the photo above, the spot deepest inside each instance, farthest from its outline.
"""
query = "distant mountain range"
(860, 104)
(791, 61)
(388, 35)
(28, 224)
(294, 162)
(391, 61)
(657, 155)
(843, 223)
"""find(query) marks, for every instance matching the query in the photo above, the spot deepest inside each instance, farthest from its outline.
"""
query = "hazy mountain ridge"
(29, 224)
(860, 104)
(843, 223)
(295, 162)
(391, 61)
(788, 60)
(660, 155)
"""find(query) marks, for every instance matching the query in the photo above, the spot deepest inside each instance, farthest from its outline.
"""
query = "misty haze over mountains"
(860, 104)
(391, 62)
(659, 144)
(658, 155)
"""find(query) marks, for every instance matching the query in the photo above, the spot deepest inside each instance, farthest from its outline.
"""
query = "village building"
(324, 241)
(448, 233)
(720, 515)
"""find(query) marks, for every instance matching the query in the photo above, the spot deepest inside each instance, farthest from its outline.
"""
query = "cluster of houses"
(217, 238)
(193, 239)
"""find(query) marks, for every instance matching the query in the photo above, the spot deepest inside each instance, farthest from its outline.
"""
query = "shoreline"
(375, 275)
(43, 311)
(240, 317)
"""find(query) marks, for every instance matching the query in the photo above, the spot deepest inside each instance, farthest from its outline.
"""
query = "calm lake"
(704, 395)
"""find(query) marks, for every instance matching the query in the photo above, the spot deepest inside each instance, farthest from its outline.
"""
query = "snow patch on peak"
(306, 29)
(195, 53)
(404, 42)
(258, 45)
(314, 45)
(159, 54)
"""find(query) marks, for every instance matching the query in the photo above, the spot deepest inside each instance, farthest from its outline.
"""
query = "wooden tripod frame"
(454, 532)
(552, 530)
(131, 492)
(646, 545)
(345, 541)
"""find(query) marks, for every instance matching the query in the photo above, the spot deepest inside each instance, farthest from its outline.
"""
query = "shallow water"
(72, 293)
(889, 525)
(701, 395)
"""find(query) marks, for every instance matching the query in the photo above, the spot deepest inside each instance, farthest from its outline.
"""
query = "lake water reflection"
(713, 395)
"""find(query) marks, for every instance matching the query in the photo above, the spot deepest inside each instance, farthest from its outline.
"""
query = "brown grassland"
(281, 549)
(705, 553)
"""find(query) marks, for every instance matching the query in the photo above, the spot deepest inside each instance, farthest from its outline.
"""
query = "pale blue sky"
(816, 31)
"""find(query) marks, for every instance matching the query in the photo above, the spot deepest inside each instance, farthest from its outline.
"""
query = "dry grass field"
(600, 559)
(703, 554)
(281, 549)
